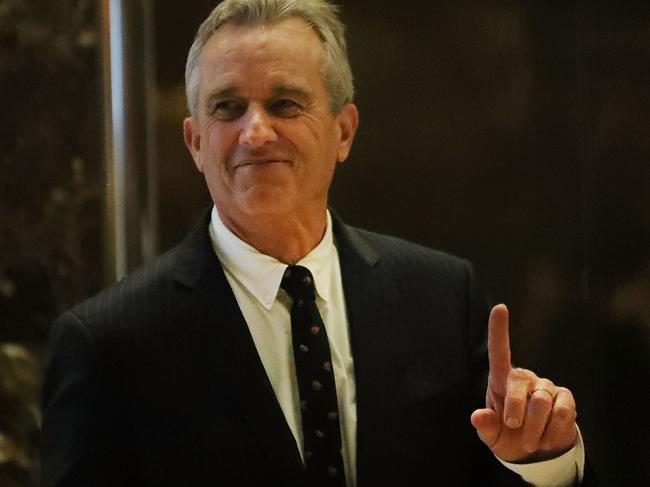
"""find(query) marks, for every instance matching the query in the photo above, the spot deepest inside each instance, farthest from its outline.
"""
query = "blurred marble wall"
(51, 197)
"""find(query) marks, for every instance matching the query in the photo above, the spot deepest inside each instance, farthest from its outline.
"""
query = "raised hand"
(526, 418)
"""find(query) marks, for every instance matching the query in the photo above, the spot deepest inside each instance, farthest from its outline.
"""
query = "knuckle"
(546, 384)
(564, 414)
(518, 374)
(541, 401)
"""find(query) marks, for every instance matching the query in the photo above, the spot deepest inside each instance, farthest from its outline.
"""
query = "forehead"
(236, 55)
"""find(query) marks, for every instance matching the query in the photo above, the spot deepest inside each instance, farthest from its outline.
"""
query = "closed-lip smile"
(257, 162)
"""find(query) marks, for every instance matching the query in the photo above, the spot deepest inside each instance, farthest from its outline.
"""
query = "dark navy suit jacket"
(157, 382)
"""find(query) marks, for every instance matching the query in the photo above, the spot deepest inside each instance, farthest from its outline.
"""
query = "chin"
(267, 202)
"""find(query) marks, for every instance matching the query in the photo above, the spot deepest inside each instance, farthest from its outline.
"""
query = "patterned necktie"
(316, 386)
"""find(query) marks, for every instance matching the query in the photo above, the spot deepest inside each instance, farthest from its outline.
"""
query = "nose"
(257, 128)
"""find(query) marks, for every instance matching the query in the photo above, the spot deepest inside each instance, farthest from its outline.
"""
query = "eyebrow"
(277, 90)
(280, 90)
(225, 92)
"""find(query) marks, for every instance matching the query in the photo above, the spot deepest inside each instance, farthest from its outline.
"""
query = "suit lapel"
(217, 328)
(212, 318)
(372, 306)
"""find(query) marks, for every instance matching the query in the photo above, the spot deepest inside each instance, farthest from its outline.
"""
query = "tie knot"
(298, 282)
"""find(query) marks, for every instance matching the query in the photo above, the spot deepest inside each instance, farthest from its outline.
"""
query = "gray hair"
(320, 15)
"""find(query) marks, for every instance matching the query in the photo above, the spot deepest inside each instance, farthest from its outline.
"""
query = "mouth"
(261, 162)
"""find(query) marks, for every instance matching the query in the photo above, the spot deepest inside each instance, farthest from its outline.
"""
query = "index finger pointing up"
(499, 346)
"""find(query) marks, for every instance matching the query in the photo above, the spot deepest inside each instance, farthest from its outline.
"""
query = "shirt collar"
(261, 274)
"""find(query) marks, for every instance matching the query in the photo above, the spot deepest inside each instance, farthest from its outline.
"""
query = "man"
(192, 372)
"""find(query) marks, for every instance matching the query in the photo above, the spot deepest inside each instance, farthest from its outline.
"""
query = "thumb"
(487, 424)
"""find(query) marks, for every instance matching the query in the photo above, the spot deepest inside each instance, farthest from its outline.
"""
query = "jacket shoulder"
(406, 258)
(142, 293)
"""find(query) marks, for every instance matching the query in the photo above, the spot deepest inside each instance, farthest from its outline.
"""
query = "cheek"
(213, 138)
(320, 142)
(213, 155)
(219, 147)
(328, 151)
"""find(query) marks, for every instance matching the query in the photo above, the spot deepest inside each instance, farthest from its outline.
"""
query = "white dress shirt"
(255, 281)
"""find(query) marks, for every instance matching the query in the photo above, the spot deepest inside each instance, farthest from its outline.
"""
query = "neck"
(287, 238)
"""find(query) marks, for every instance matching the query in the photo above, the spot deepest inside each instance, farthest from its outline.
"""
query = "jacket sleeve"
(82, 431)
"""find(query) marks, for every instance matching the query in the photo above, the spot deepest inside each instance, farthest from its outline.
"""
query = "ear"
(192, 136)
(347, 121)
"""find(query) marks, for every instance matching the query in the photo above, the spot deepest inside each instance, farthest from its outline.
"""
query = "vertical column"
(131, 182)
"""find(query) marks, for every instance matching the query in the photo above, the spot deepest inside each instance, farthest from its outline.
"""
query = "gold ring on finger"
(545, 390)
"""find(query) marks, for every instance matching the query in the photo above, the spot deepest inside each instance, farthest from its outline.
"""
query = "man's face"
(264, 135)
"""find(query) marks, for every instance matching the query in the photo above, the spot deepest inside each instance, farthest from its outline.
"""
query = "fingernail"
(512, 422)
(529, 447)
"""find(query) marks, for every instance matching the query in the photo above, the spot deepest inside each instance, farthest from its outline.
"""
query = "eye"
(285, 107)
(228, 110)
